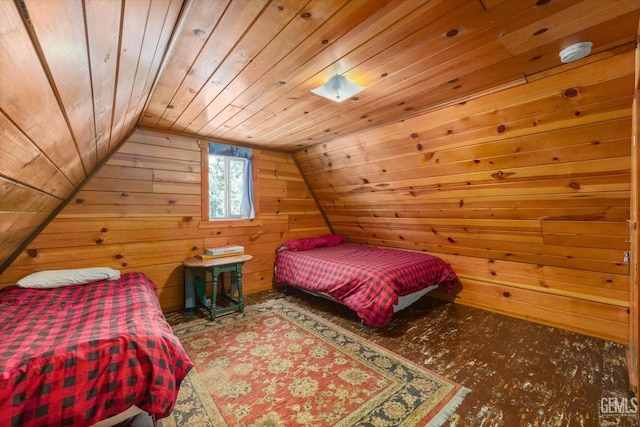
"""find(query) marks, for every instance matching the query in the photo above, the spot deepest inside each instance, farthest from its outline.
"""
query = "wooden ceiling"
(242, 71)
(78, 77)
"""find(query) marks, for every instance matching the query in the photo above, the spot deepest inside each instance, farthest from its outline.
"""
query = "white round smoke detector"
(575, 52)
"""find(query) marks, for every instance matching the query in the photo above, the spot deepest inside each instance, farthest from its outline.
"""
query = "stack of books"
(223, 251)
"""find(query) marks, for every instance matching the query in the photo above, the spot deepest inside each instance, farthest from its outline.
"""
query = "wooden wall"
(141, 212)
(526, 192)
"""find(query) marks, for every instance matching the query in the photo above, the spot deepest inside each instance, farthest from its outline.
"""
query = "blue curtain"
(247, 210)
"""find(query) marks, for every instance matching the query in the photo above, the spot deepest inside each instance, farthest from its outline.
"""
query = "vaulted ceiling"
(243, 70)
(76, 78)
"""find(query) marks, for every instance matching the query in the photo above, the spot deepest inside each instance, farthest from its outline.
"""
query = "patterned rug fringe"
(449, 409)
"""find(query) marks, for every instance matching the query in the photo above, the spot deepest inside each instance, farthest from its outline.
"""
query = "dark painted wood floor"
(520, 373)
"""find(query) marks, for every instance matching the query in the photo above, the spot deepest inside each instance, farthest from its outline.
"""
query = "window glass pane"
(226, 186)
(217, 208)
(236, 185)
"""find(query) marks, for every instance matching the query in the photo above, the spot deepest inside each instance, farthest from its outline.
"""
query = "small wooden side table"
(195, 269)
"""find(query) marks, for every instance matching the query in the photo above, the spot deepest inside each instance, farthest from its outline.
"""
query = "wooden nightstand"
(195, 270)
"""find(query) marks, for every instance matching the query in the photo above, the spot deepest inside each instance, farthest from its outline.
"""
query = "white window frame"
(206, 221)
(227, 185)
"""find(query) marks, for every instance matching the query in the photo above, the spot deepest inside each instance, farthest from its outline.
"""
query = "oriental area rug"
(280, 365)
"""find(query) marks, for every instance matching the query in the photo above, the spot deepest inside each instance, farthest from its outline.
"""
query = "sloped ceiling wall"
(471, 139)
(74, 79)
(77, 77)
(524, 192)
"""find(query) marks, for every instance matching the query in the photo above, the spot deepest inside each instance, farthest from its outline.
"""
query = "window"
(226, 183)
(229, 179)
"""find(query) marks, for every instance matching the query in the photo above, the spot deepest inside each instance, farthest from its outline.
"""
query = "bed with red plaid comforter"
(75, 355)
(366, 279)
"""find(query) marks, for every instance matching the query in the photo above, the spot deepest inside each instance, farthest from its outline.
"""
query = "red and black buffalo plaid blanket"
(366, 279)
(75, 355)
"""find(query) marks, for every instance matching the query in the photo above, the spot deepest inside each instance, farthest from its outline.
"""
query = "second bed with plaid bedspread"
(366, 279)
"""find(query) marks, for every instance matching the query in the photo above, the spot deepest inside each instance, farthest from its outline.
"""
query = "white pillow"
(56, 278)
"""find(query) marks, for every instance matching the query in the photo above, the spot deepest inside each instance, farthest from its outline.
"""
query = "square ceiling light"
(338, 89)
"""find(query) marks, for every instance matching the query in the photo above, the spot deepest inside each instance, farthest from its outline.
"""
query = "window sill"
(217, 223)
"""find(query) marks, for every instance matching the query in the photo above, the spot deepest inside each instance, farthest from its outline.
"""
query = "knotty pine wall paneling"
(141, 212)
(526, 192)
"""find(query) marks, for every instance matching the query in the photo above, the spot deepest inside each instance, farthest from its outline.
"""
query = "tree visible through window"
(230, 182)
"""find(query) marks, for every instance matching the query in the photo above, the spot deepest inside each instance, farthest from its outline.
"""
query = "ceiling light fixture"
(575, 52)
(338, 89)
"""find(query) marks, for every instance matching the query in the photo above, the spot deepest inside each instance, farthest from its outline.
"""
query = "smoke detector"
(575, 52)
